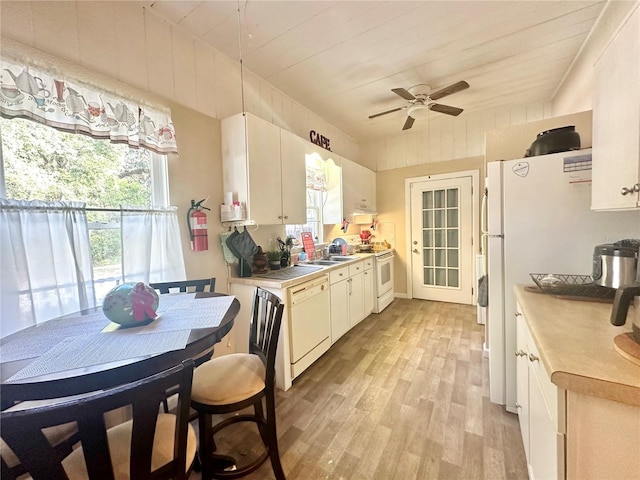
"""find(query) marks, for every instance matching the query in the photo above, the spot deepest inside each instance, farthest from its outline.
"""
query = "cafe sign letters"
(320, 140)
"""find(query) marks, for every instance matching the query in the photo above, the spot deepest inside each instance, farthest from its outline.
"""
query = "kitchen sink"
(290, 272)
(342, 258)
(333, 260)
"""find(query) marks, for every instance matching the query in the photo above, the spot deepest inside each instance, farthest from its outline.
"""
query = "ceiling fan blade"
(403, 93)
(436, 107)
(443, 92)
(408, 123)
(384, 113)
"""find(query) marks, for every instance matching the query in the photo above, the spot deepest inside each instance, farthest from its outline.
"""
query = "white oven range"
(383, 267)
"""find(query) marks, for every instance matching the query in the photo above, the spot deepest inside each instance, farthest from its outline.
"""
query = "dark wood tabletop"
(106, 375)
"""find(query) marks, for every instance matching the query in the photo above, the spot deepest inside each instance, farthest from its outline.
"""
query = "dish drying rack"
(571, 285)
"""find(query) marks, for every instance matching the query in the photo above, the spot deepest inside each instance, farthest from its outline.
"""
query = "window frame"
(158, 198)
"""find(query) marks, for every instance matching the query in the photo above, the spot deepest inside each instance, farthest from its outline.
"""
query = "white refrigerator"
(538, 221)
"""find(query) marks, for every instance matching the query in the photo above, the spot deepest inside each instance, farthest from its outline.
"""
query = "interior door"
(442, 240)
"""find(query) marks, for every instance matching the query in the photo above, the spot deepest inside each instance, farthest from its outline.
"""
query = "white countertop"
(259, 281)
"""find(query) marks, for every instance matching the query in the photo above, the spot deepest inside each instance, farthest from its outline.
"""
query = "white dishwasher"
(309, 323)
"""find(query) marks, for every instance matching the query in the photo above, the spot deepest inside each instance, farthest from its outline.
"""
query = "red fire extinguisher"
(197, 222)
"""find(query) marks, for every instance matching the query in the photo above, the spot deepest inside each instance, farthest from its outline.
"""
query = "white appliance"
(539, 221)
(309, 323)
(383, 267)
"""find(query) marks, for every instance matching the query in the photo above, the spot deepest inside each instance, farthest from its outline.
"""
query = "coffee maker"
(625, 295)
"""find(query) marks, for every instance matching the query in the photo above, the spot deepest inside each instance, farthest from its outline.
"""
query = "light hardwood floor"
(403, 395)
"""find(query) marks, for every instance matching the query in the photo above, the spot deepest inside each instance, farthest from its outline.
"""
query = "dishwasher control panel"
(304, 291)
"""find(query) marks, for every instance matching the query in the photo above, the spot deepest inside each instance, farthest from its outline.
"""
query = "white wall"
(512, 142)
(447, 138)
(128, 43)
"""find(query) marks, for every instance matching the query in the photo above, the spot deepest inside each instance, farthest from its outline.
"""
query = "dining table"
(84, 351)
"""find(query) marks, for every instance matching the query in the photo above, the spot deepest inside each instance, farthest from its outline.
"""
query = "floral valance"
(67, 105)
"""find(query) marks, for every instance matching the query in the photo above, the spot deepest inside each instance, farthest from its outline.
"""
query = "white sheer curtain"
(45, 262)
(151, 246)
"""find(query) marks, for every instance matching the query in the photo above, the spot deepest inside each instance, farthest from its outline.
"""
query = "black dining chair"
(150, 445)
(236, 381)
(185, 286)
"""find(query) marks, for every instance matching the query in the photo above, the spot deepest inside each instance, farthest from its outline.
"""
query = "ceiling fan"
(423, 100)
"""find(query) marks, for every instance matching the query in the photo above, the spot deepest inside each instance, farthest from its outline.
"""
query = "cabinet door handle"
(518, 314)
(286, 216)
(518, 405)
(521, 353)
(634, 189)
(533, 358)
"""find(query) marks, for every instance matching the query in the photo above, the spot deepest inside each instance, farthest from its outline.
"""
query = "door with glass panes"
(442, 240)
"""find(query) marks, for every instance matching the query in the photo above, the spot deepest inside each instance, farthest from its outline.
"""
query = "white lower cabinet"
(568, 434)
(348, 299)
(541, 410)
(339, 297)
(522, 380)
(369, 287)
(356, 293)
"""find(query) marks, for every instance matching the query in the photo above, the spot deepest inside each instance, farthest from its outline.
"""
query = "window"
(316, 199)
(39, 162)
(314, 219)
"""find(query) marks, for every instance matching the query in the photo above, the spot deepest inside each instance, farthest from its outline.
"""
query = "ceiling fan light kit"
(421, 102)
(418, 110)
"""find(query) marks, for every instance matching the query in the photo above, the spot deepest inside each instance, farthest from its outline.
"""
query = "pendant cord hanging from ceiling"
(240, 56)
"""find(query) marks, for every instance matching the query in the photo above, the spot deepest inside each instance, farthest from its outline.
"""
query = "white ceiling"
(340, 59)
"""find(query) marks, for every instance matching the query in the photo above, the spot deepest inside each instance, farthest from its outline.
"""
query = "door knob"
(415, 242)
(415, 250)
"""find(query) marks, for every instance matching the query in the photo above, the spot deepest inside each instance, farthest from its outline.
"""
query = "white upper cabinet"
(294, 200)
(358, 188)
(265, 167)
(616, 121)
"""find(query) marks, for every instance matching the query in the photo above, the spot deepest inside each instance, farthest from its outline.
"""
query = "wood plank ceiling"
(340, 59)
